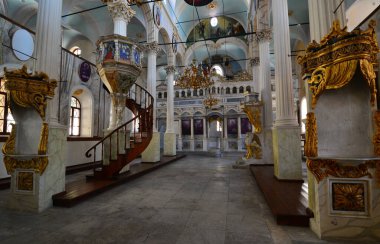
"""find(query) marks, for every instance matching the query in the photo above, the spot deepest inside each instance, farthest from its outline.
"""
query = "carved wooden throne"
(342, 141)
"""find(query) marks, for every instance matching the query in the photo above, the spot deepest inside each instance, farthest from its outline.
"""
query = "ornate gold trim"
(28, 90)
(38, 164)
(376, 136)
(311, 142)
(9, 145)
(253, 112)
(322, 168)
(25, 181)
(42, 147)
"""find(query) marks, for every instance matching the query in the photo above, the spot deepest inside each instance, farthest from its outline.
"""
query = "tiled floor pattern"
(195, 200)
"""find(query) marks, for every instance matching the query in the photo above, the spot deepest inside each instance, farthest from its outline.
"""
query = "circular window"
(22, 45)
(76, 50)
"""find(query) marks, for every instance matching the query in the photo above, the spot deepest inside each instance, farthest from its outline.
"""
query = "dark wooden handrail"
(144, 108)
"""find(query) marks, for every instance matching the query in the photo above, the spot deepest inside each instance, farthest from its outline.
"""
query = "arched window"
(195, 92)
(189, 93)
(183, 94)
(241, 89)
(234, 90)
(6, 118)
(159, 95)
(76, 50)
(228, 90)
(165, 94)
(213, 90)
(201, 92)
(177, 94)
(217, 69)
(75, 113)
(248, 89)
(218, 90)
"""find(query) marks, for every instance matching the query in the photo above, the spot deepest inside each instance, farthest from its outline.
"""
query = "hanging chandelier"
(210, 101)
(195, 77)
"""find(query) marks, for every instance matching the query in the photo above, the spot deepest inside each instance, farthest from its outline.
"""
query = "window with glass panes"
(6, 118)
(75, 112)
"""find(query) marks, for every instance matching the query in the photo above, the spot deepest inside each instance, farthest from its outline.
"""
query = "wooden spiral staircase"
(129, 140)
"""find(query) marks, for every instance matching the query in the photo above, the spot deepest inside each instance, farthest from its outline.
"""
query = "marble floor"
(195, 200)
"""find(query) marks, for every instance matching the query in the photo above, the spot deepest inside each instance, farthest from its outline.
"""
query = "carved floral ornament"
(152, 47)
(120, 9)
(333, 62)
(264, 35)
(323, 168)
(170, 69)
(255, 61)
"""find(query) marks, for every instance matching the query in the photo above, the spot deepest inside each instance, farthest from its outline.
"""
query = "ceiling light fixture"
(214, 21)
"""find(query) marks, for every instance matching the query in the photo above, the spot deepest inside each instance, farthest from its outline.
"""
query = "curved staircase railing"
(129, 140)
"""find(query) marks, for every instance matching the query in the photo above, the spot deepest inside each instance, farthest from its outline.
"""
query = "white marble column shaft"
(321, 17)
(170, 99)
(48, 48)
(285, 115)
(286, 134)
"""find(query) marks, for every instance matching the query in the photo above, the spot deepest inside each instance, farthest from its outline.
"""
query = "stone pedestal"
(170, 144)
(287, 153)
(32, 191)
(266, 137)
(152, 152)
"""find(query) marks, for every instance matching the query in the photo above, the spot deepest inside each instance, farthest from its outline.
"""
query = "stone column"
(192, 134)
(170, 136)
(264, 37)
(239, 134)
(321, 17)
(38, 195)
(179, 134)
(152, 152)
(286, 133)
(225, 135)
(204, 134)
(255, 64)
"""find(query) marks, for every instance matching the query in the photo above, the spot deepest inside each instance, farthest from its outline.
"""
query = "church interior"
(189, 121)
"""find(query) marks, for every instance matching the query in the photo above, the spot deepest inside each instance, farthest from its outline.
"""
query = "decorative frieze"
(170, 69)
(120, 9)
(323, 168)
(255, 61)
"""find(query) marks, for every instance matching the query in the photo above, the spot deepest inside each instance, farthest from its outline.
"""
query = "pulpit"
(342, 145)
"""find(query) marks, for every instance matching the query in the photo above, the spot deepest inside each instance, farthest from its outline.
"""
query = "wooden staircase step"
(80, 190)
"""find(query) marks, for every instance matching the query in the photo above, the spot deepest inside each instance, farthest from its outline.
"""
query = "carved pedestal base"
(170, 144)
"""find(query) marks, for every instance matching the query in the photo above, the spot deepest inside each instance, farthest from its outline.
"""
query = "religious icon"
(110, 50)
(136, 55)
(174, 43)
(85, 71)
(125, 51)
(157, 14)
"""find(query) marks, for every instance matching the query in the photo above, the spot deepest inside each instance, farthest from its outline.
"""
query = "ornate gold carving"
(9, 145)
(322, 168)
(348, 197)
(376, 136)
(120, 9)
(25, 181)
(245, 76)
(253, 145)
(311, 143)
(334, 61)
(29, 90)
(38, 164)
(42, 147)
(254, 115)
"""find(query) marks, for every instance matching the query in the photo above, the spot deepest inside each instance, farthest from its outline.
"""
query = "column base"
(170, 144)
(287, 153)
(32, 192)
(152, 152)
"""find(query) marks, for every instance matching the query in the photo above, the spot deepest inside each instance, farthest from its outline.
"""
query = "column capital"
(264, 35)
(120, 9)
(152, 47)
(170, 69)
(255, 61)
